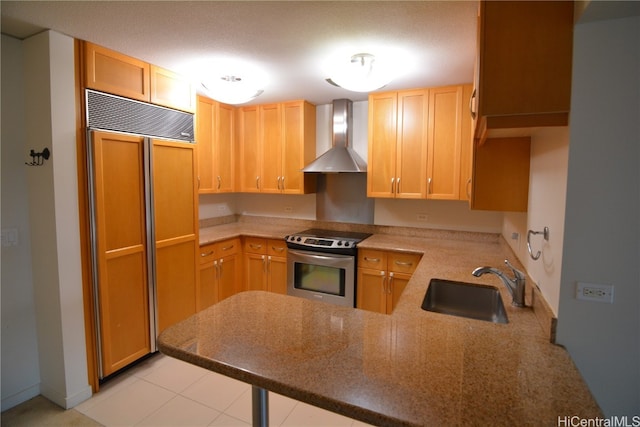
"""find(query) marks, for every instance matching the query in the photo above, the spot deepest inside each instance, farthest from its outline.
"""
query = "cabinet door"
(112, 72)
(224, 153)
(397, 284)
(501, 175)
(298, 147)
(277, 280)
(208, 293)
(255, 272)
(466, 145)
(381, 167)
(205, 144)
(411, 151)
(271, 140)
(371, 293)
(250, 150)
(445, 136)
(229, 272)
(172, 90)
(122, 287)
(176, 230)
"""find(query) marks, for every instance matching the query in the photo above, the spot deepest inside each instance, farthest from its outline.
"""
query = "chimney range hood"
(340, 157)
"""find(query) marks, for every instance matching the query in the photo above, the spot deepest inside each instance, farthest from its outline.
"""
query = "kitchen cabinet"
(382, 277)
(112, 72)
(172, 90)
(275, 143)
(523, 68)
(265, 264)
(220, 272)
(445, 142)
(397, 151)
(215, 146)
(175, 203)
(416, 143)
(501, 174)
(466, 148)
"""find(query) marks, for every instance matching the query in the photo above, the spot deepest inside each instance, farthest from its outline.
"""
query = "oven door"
(321, 276)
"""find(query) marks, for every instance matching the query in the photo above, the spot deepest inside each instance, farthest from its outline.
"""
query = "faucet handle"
(517, 273)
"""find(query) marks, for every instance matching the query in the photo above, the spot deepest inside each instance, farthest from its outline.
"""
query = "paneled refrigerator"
(144, 224)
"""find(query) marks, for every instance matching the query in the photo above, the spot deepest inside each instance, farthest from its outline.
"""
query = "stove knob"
(347, 244)
(299, 239)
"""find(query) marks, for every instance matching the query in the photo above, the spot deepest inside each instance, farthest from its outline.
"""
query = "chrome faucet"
(515, 285)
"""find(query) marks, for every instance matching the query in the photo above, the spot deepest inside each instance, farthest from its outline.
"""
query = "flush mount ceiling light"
(231, 89)
(362, 73)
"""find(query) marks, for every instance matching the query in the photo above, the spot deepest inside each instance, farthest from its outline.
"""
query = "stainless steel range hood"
(341, 157)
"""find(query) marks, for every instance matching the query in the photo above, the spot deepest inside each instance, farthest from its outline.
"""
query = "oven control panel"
(315, 242)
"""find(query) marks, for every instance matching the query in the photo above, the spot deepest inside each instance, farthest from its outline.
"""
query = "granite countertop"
(412, 367)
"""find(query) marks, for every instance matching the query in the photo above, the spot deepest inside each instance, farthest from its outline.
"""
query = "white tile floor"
(163, 391)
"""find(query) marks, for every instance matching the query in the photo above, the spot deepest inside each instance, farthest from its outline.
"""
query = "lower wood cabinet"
(382, 277)
(265, 264)
(220, 272)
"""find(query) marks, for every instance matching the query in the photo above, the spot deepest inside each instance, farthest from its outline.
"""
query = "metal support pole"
(260, 406)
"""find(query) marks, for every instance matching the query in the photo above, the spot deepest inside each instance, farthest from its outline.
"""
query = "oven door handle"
(319, 257)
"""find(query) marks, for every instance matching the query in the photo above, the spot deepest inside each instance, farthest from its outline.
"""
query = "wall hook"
(545, 234)
(37, 159)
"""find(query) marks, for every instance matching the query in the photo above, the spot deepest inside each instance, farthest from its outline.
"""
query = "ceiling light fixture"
(230, 89)
(363, 73)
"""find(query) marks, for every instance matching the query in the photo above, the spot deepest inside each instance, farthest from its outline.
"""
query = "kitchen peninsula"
(409, 368)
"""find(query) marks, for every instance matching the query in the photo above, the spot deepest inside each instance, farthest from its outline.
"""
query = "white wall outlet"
(288, 209)
(9, 237)
(422, 217)
(594, 292)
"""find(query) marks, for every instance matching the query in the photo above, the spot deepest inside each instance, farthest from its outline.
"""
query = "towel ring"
(545, 234)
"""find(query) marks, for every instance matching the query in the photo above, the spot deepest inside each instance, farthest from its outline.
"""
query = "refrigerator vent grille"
(114, 113)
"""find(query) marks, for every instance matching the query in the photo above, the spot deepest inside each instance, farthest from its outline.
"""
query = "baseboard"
(18, 398)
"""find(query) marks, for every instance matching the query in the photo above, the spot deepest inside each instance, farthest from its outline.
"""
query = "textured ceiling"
(290, 41)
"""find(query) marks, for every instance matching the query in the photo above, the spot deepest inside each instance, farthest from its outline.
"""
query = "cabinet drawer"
(277, 247)
(207, 253)
(255, 245)
(403, 262)
(227, 247)
(369, 258)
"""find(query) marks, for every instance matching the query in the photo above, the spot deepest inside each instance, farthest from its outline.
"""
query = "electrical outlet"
(422, 217)
(594, 292)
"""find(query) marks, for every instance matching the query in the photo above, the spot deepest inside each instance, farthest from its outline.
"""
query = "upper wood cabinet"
(523, 68)
(501, 174)
(416, 141)
(215, 146)
(275, 143)
(397, 153)
(172, 90)
(112, 72)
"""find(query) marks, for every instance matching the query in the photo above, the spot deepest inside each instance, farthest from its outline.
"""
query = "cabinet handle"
(469, 189)
(206, 254)
(278, 185)
(198, 182)
(398, 186)
(264, 263)
(393, 180)
(257, 182)
(226, 248)
(404, 263)
(219, 182)
(220, 269)
(215, 266)
(371, 259)
(277, 249)
(282, 184)
(473, 113)
(390, 288)
(429, 186)
(268, 263)
(255, 246)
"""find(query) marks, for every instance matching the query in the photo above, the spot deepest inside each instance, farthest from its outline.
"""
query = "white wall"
(53, 217)
(20, 368)
(547, 197)
(602, 228)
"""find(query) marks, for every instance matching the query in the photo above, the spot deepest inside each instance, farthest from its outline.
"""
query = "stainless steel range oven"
(321, 265)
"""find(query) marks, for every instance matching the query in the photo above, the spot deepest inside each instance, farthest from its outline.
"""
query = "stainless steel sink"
(469, 300)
